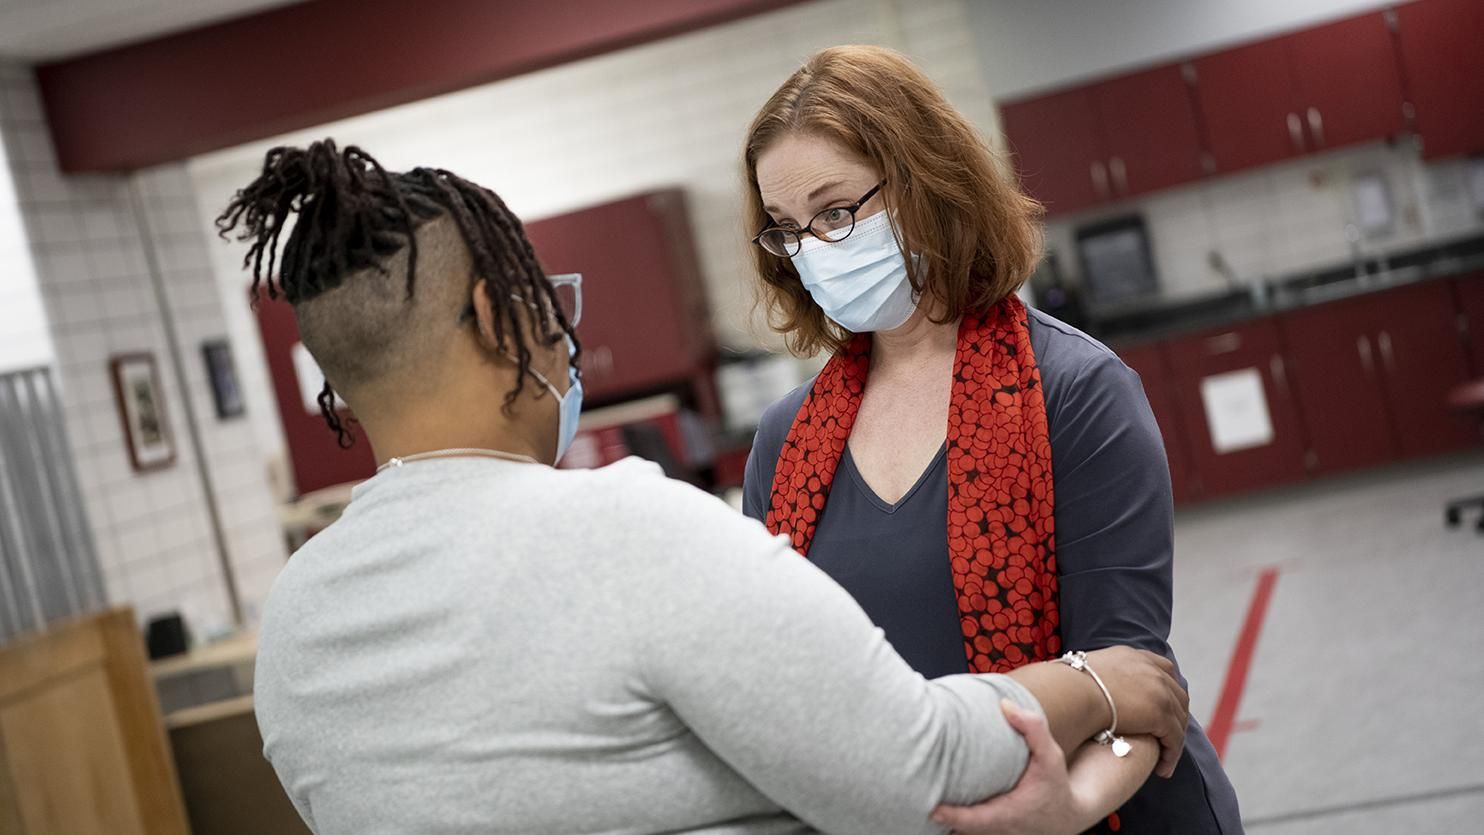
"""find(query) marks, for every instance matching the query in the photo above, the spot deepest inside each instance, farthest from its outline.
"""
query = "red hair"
(976, 234)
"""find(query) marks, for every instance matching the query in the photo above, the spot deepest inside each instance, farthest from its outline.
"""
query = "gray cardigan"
(480, 646)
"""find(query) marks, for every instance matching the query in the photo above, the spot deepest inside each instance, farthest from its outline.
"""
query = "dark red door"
(637, 324)
(1148, 361)
(1470, 292)
(1444, 66)
(1149, 125)
(1248, 103)
(1232, 394)
(1335, 369)
(1423, 358)
(1349, 84)
(1058, 150)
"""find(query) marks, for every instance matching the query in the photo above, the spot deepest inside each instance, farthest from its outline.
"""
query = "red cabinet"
(1372, 376)
(1204, 367)
(1248, 105)
(1335, 365)
(1149, 129)
(1148, 360)
(645, 323)
(1470, 296)
(1129, 135)
(1320, 88)
(1444, 64)
(1057, 149)
(1422, 359)
(1329, 388)
(1348, 82)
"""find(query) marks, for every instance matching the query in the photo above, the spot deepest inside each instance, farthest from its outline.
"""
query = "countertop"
(1160, 318)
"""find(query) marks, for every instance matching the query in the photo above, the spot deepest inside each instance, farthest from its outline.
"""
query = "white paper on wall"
(1236, 410)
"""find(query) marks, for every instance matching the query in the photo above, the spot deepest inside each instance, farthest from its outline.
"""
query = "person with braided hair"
(484, 643)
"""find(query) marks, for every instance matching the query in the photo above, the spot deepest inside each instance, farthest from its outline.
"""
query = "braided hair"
(353, 217)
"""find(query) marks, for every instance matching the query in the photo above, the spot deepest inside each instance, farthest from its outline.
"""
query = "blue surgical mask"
(569, 408)
(861, 282)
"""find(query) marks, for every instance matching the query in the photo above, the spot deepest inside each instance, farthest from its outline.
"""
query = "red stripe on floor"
(1223, 721)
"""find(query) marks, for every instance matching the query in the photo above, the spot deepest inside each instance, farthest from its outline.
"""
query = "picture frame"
(226, 391)
(142, 409)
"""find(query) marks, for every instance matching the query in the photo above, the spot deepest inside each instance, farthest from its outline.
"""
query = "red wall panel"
(311, 63)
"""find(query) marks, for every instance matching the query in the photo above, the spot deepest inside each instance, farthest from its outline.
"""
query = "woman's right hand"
(1149, 698)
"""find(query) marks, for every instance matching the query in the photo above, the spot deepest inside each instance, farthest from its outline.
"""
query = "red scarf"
(1001, 534)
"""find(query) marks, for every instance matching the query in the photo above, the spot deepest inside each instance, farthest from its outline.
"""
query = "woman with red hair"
(987, 481)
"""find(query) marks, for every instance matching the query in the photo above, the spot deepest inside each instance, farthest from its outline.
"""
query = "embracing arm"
(778, 671)
(1101, 782)
(1114, 516)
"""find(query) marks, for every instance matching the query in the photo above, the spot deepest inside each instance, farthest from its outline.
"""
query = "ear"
(484, 315)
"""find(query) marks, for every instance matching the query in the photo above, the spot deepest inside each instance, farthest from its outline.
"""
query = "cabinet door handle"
(1296, 132)
(1363, 347)
(1280, 372)
(1316, 127)
(1120, 175)
(1223, 344)
(1384, 340)
(1100, 179)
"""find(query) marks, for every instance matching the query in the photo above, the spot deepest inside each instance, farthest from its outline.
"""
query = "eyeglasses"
(567, 287)
(832, 225)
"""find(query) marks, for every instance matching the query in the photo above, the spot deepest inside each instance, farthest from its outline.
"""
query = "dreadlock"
(354, 217)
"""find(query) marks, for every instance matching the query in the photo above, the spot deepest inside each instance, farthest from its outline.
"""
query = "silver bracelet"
(1077, 660)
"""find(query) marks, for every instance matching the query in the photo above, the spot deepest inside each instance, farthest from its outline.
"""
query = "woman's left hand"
(1042, 803)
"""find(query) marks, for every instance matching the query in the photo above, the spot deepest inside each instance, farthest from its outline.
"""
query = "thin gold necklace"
(458, 452)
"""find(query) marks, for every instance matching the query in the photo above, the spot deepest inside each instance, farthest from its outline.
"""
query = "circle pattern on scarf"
(1001, 527)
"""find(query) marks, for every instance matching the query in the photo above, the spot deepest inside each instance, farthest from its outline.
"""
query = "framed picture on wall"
(141, 402)
(222, 373)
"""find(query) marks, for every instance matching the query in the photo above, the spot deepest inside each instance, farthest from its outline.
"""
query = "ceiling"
(34, 31)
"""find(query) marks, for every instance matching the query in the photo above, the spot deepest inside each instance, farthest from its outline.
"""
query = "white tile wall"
(89, 247)
(664, 114)
(1287, 218)
(25, 341)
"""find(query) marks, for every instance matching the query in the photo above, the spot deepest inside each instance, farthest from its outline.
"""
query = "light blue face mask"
(569, 408)
(861, 282)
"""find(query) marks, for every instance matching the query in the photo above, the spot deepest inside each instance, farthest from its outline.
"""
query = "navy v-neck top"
(1115, 548)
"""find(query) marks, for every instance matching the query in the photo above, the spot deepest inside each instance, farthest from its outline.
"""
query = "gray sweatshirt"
(482, 646)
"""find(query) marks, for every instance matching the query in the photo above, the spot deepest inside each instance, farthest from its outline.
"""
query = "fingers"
(1172, 741)
(962, 817)
(1033, 727)
(1164, 664)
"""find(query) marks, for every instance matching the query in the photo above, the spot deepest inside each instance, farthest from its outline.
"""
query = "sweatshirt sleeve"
(778, 671)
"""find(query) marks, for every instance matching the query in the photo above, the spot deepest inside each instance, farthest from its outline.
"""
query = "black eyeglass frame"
(795, 241)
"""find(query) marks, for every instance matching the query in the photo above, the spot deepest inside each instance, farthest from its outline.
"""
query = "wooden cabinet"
(1444, 65)
(82, 747)
(1335, 365)
(1058, 150)
(1205, 365)
(1469, 293)
(1321, 88)
(645, 322)
(1149, 362)
(1118, 138)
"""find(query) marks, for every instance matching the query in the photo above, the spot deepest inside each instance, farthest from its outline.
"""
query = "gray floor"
(1361, 712)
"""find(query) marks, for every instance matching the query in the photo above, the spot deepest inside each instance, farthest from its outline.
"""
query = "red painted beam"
(1224, 720)
(303, 65)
